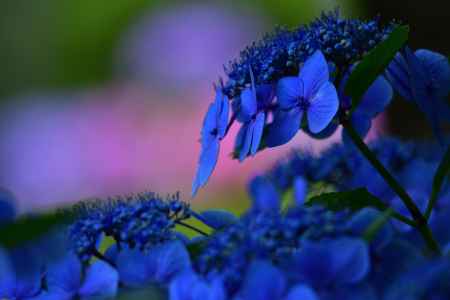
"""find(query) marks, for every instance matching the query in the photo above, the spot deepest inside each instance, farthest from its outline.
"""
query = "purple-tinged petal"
(264, 195)
(223, 111)
(207, 163)
(101, 282)
(398, 75)
(376, 98)
(284, 127)
(248, 105)
(247, 140)
(289, 91)
(438, 67)
(302, 292)
(65, 274)
(314, 74)
(300, 190)
(323, 107)
(260, 121)
(263, 281)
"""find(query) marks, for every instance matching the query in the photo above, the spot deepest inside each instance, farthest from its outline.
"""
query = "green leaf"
(374, 63)
(439, 177)
(354, 200)
(30, 228)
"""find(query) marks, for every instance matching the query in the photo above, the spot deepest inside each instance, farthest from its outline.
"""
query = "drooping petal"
(438, 67)
(101, 282)
(248, 105)
(263, 281)
(65, 274)
(314, 74)
(300, 190)
(323, 107)
(284, 127)
(207, 163)
(222, 113)
(209, 122)
(376, 98)
(260, 121)
(303, 292)
(289, 90)
(264, 195)
(398, 75)
(247, 140)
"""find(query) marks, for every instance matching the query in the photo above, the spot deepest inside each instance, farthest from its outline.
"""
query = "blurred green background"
(59, 51)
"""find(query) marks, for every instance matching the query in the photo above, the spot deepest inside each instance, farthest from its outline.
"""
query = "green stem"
(420, 220)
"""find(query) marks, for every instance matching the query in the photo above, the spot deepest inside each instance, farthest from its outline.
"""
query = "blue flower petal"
(376, 98)
(350, 259)
(324, 106)
(247, 128)
(361, 123)
(260, 121)
(101, 282)
(248, 105)
(157, 264)
(439, 68)
(302, 292)
(189, 286)
(53, 295)
(207, 163)
(263, 281)
(284, 127)
(65, 274)
(314, 74)
(264, 195)
(289, 90)
(300, 190)
(222, 113)
(209, 123)
(398, 75)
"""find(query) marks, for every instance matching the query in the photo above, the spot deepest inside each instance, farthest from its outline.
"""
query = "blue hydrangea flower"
(65, 280)
(279, 54)
(190, 286)
(311, 93)
(251, 112)
(18, 284)
(138, 221)
(332, 262)
(158, 264)
(423, 77)
(214, 129)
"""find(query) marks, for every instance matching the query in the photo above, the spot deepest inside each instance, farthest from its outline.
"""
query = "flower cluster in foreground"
(284, 247)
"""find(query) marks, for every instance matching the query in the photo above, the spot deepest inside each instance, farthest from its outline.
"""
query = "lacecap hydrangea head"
(140, 221)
